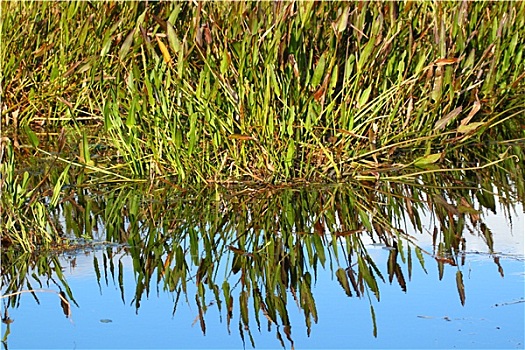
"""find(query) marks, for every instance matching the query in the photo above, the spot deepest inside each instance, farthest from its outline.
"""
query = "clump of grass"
(271, 92)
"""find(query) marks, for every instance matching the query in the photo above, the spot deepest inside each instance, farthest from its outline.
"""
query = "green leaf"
(421, 63)
(426, 160)
(401, 250)
(194, 245)
(342, 21)
(319, 71)
(225, 62)
(486, 197)
(420, 258)
(363, 99)
(124, 49)
(319, 249)
(333, 79)
(226, 291)
(409, 262)
(463, 129)
(84, 151)
(106, 47)
(467, 209)
(365, 220)
(173, 40)
(290, 152)
(365, 54)
(243, 302)
(25, 180)
(121, 280)
(349, 67)
(368, 277)
(58, 187)
(33, 139)
(97, 269)
(374, 323)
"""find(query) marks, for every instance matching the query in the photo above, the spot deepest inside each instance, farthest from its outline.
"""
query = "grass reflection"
(255, 252)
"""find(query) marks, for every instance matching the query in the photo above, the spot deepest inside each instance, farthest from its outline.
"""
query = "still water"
(429, 314)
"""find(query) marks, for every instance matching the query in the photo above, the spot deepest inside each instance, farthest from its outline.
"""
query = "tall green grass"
(260, 91)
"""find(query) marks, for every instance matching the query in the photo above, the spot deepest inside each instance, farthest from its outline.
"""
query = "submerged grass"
(193, 93)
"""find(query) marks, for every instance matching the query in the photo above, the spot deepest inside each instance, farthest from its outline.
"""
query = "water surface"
(429, 314)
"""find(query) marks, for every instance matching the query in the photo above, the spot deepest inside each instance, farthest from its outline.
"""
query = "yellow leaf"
(165, 52)
(240, 137)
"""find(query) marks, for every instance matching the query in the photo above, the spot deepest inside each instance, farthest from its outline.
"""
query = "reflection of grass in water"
(21, 271)
(64, 303)
(257, 252)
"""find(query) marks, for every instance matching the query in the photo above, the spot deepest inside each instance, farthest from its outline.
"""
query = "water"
(428, 315)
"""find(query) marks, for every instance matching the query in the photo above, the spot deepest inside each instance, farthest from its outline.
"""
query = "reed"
(267, 92)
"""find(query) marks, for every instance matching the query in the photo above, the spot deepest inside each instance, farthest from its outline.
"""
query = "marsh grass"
(259, 91)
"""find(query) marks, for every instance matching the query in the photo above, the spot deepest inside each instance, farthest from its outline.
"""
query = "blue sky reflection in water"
(428, 315)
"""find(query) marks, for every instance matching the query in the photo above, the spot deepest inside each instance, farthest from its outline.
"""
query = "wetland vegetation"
(245, 145)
